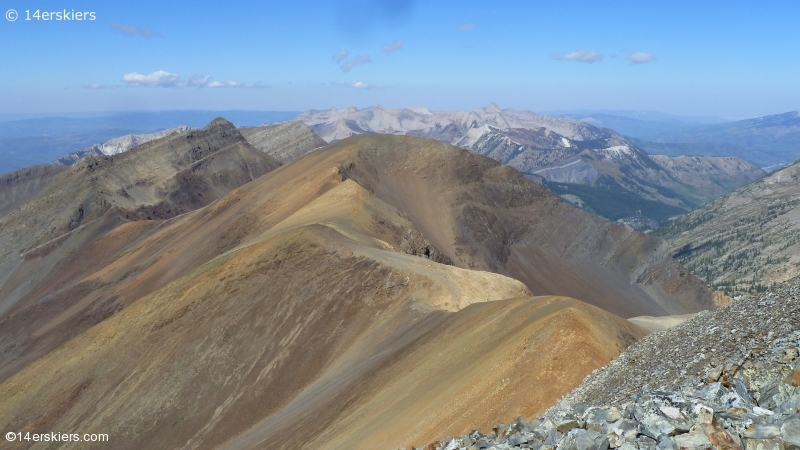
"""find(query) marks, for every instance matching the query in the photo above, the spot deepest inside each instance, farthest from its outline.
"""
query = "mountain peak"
(219, 122)
(492, 107)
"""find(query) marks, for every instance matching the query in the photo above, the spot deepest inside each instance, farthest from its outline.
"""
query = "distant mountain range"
(39, 140)
(117, 145)
(595, 168)
(767, 141)
(639, 124)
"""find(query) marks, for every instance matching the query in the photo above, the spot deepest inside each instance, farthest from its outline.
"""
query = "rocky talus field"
(727, 379)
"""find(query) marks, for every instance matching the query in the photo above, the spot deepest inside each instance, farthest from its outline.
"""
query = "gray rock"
(760, 431)
(764, 444)
(693, 440)
(580, 439)
(655, 426)
(565, 421)
(596, 420)
(646, 443)
(765, 393)
(665, 443)
(613, 414)
(790, 431)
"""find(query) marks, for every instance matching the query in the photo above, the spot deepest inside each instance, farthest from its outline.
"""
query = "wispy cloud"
(350, 63)
(640, 57)
(466, 27)
(100, 86)
(235, 84)
(340, 56)
(361, 85)
(134, 30)
(393, 47)
(161, 78)
(580, 56)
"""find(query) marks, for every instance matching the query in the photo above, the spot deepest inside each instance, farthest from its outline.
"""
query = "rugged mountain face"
(513, 228)
(338, 287)
(714, 175)
(594, 168)
(767, 141)
(16, 187)
(746, 240)
(49, 241)
(284, 141)
(117, 145)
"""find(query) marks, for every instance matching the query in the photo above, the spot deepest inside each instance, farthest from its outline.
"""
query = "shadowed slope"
(487, 216)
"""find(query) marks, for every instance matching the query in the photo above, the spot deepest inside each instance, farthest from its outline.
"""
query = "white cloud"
(361, 85)
(133, 30)
(586, 56)
(393, 47)
(640, 57)
(340, 56)
(234, 84)
(349, 64)
(161, 78)
(158, 78)
(466, 27)
(100, 86)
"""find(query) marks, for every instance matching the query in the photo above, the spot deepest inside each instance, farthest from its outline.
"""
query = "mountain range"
(117, 145)
(595, 168)
(639, 124)
(198, 292)
(27, 141)
(747, 240)
(769, 141)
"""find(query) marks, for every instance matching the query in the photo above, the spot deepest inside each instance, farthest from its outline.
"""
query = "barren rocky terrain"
(371, 287)
(724, 379)
(285, 141)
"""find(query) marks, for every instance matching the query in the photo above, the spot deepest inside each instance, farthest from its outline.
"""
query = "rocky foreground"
(728, 379)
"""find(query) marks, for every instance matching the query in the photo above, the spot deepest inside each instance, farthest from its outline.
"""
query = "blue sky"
(729, 59)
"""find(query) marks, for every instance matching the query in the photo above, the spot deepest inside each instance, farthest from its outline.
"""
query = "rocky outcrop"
(284, 141)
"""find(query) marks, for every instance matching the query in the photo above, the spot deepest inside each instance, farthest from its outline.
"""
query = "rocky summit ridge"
(117, 145)
(728, 379)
